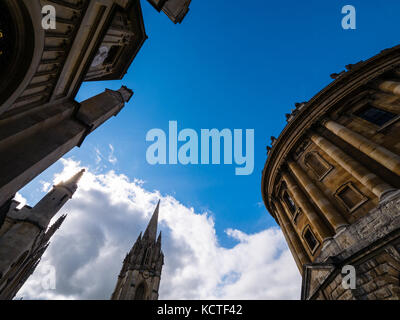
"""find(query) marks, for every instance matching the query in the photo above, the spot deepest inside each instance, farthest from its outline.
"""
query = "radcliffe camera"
(211, 157)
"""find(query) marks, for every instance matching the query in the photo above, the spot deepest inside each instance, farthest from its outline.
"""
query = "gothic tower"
(140, 275)
(24, 239)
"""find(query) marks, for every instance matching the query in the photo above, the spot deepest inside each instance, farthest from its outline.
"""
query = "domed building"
(332, 179)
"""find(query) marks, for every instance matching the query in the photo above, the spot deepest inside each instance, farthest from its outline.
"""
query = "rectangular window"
(311, 241)
(374, 115)
(350, 197)
(289, 203)
(317, 164)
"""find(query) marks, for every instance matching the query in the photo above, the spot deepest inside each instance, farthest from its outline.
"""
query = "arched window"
(140, 292)
(317, 164)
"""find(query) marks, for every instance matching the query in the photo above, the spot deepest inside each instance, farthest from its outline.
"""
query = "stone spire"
(47, 208)
(151, 231)
(140, 275)
(72, 183)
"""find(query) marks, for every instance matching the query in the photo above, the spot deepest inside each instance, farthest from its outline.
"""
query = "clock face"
(146, 274)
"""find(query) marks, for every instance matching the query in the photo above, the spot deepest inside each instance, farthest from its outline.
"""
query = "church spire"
(140, 275)
(151, 231)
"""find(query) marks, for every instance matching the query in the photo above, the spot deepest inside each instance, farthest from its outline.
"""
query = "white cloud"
(46, 186)
(106, 216)
(111, 157)
(99, 156)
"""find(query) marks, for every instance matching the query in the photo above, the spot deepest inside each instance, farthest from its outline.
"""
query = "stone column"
(296, 246)
(371, 181)
(336, 220)
(391, 87)
(380, 154)
(301, 200)
(387, 106)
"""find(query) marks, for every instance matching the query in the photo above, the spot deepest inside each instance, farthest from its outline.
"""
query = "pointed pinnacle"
(159, 238)
(135, 244)
(72, 183)
(151, 231)
(54, 227)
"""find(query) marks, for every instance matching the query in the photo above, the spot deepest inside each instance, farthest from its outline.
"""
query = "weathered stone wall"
(378, 278)
(372, 246)
(365, 232)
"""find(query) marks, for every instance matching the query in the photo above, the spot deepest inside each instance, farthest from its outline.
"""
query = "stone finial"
(337, 75)
(159, 239)
(351, 66)
(126, 93)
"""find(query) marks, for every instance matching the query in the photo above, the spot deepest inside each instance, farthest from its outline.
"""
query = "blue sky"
(238, 65)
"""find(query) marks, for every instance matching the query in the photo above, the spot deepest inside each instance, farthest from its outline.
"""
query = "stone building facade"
(140, 275)
(25, 236)
(43, 69)
(332, 180)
